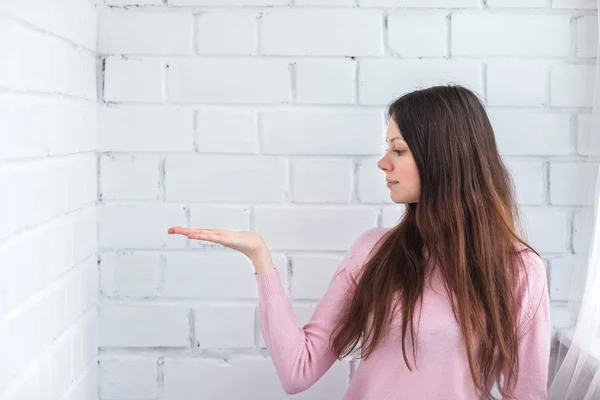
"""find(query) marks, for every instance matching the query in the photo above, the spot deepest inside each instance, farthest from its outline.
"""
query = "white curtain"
(575, 374)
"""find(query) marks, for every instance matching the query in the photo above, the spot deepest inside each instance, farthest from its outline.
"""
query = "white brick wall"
(276, 126)
(48, 172)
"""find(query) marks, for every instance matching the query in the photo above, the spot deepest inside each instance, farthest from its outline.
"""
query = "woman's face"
(401, 174)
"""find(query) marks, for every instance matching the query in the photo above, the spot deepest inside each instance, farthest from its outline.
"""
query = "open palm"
(246, 242)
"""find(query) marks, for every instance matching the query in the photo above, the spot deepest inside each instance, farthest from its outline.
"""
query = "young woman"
(446, 304)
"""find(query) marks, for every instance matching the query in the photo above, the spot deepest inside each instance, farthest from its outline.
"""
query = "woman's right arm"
(301, 354)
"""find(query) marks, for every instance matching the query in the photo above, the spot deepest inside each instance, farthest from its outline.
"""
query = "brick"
(229, 276)
(225, 327)
(83, 227)
(209, 80)
(20, 48)
(86, 387)
(20, 346)
(143, 326)
(230, 178)
(529, 180)
(324, 81)
(34, 384)
(129, 177)
(418, 35)
(59, 127)
(517, 3)
(332, 32)
(324, 2)
(20, 207)
(74, 21)
(74, 72)
(85, 27)
(312, 275)
(75, 363)
(132, 275)
(148, 32)
(128, 378)
(134, 2)
(587, 36)
(139, 227)
(371, 183)
(517, 83)
(86, 344)
(567, 277)
(578, 4)
(226, 131)
(215, 276)
(582, 231)
(391, 216)
(234, 30)
(588, 143)
(60, 358)
(188, 379)
(381, 81)
(322, 132)
(223, 217)
(546, 228)
(145, 128)
(304, 312)
(45, 63)
(80, 181)
(535, 133)
(80, 294)
(560, 318)
(133, 80)
(422, 4)
(322, 181)
(23, 10)
(21, 258)
(571, 86)
(572, 183)
(20, 135)
(487, 35)
(229, 2)
(312, 228)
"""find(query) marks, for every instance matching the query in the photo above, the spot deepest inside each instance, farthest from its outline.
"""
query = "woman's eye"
(399, 152)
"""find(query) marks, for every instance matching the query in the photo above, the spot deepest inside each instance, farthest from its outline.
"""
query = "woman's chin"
(399, 199)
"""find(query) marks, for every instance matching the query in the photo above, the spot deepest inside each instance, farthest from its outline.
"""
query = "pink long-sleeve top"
(301, 354)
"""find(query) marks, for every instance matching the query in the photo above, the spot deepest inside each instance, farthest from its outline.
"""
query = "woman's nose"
(383, 164)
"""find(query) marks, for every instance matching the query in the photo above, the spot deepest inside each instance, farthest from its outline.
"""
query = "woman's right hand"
(246, 242)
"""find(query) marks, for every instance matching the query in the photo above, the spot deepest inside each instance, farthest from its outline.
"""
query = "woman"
(445, 305)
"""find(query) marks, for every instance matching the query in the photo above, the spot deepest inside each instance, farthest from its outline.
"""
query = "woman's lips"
(391, 183)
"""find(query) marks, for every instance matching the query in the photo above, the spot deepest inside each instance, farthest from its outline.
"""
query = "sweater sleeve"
(302, 355)
(535, 341)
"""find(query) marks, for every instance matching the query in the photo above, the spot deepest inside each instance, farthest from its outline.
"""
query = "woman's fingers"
(204, 235)
(180, 230)
(212, 235)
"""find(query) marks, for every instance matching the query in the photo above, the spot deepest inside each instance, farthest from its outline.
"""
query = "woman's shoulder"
(533, 281)
(360, 250)
(370, 237)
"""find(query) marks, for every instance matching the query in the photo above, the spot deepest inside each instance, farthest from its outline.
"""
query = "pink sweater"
(301, 355)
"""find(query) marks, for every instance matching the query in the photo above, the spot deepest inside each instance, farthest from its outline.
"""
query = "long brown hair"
(467, 220)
